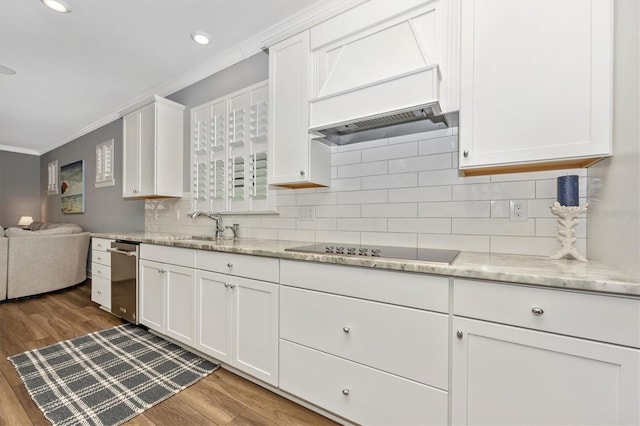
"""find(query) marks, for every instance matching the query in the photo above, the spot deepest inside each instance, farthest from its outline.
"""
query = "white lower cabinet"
(238, 323)
(167, 300)
(101, 272)
(357, 355)
(358, 393)
(504, 375)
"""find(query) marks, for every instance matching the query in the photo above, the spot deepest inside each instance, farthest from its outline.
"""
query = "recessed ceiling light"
(57, 5)
(201, 38)
(6, 70)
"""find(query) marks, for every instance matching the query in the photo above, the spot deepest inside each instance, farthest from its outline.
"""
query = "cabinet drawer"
(101, 257)
(170, 255)
(401, 288)
(101, 291)
(404, 341)
(101, 271)
(100, 244)
(592, 316)
(361, 394)
(261, 268)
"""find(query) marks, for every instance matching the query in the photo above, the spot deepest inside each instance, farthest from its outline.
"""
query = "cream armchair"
(45, 260)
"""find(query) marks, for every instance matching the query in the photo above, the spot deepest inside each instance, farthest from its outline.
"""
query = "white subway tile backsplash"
(479, 243)
(438, 146)
(536, 246)
(329, 224)
(317, 198)
(362, 224)
(494, 191)
(417, 164)
(343, 237)
(448, 177)
(348, 157)
(389, 152)
(549, 228)
(501, 208)
(363, 197)
(490, 226)
(421, 226)
(400, 180)
(402, 191)
(362, 169)
(429, 193)
(390, 210)
(350, 210)
(455, 209)
(296, 235)
(389, 239)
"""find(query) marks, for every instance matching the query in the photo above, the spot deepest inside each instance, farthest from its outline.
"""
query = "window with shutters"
(104, 165)
(52, 180)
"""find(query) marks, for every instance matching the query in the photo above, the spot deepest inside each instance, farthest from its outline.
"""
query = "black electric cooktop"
(389, 252)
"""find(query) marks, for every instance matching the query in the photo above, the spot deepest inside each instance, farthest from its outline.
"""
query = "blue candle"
(568, 190)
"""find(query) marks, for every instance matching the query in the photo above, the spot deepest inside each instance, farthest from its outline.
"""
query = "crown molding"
(19, 150)
(306, 18)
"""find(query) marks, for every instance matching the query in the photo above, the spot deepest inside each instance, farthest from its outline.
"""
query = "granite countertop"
(537, 270)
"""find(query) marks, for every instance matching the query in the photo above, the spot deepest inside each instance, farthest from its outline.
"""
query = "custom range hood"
(383, 82)
(393, 107)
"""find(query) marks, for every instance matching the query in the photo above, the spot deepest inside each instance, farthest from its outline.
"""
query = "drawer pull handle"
(229, 265)
(459, 334)
(345, 391)
(537, 311)
(346, 329)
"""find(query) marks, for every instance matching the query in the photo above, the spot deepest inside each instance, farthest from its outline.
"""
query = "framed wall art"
(72, 187)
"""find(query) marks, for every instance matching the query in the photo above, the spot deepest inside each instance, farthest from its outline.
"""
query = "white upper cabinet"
(229, 155)
(152, 150)
(536, 84)
(296, 161)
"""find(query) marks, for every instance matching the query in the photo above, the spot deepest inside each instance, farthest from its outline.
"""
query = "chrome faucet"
(215, 216)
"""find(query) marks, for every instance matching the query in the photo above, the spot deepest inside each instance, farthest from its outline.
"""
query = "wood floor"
(221, 398)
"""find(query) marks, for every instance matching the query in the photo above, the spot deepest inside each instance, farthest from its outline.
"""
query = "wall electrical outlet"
(518, 211)
(306, 213)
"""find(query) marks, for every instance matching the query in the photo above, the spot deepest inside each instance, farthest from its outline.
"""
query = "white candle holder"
(567, 221)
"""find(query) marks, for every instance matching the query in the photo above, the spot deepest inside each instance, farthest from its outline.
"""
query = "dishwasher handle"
(126, 253)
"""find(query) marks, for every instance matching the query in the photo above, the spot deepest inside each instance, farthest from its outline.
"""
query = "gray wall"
(613, 224)
(19, 187)
(105, 209)
(245, 73)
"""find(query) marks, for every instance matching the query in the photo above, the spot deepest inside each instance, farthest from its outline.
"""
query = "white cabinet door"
(131, 154)
(295, 160)
(214, 312)
(181, 303)
(535, 83)
(152, 150)
(255, 328)
(504, 375)
(101, 291)
(152, 295)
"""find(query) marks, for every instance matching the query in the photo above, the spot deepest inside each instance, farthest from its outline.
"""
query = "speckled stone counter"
(535, 270)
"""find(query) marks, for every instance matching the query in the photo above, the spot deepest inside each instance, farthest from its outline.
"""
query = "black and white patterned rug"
(107, 377)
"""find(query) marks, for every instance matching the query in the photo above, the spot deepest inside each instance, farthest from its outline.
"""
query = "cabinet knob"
(345, 391)
(537, 311)
(99, 258)
(465, 153)
(232, 286)
(135, 191)
(99, 271)
(226, 285)
(346, 329)
(229, 265)
(302, 173)
(99, 292)
(459, 334)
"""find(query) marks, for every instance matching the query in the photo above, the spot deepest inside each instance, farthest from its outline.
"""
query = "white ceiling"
(77, 71)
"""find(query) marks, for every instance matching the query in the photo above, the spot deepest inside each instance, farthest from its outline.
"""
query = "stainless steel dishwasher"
(124, 280)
